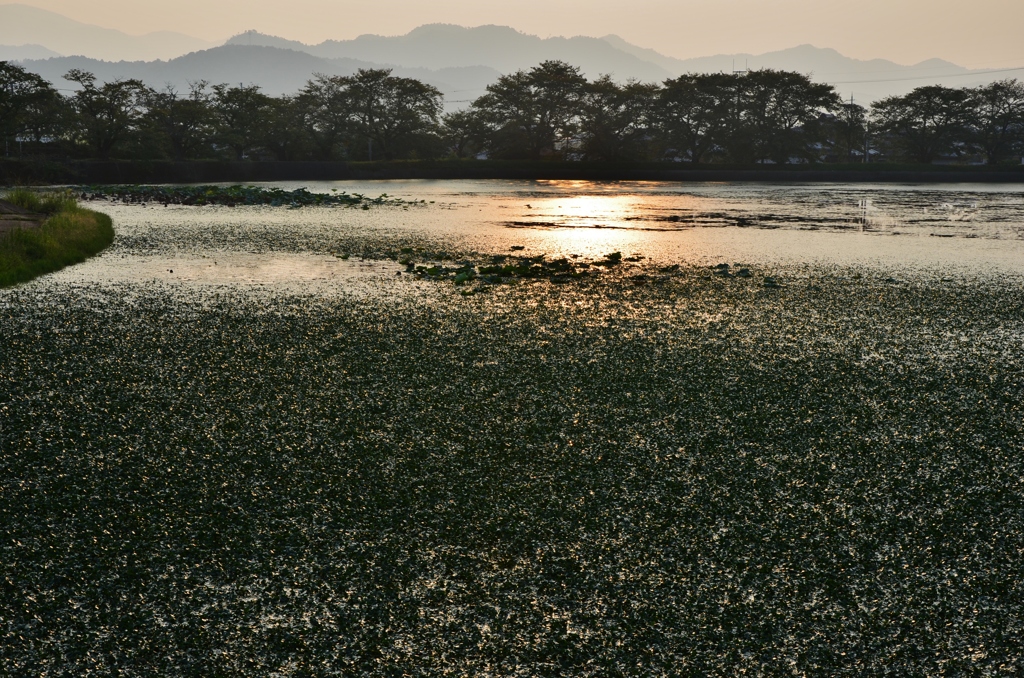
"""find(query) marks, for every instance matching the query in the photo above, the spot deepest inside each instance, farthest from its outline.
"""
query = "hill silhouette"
(499, 47)
(278, 71)
(505, 50)
(22, 24)
(459, 61)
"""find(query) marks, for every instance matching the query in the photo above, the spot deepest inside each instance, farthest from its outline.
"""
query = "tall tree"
(616, 121)
(848, 131)
(327, 115)
(184, 123)
(282, 130)
(781, 109)
(106, 115)
(464, 133)
(24, 98)
(927, 123)
(997, 119)
(695, 112)
(399, 117)
(533, 114)
(239, 115)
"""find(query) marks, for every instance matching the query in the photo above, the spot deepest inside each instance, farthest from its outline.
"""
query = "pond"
(246, 441)
(949, 228)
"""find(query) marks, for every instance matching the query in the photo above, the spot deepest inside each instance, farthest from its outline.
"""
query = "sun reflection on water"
(589, 205)
(587, 211)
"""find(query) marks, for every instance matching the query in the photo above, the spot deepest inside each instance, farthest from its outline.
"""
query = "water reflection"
(949, 212)
(971, 227)
(581, 211)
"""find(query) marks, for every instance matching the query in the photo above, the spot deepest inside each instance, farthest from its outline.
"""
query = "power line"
(887, 71)
(929, 77)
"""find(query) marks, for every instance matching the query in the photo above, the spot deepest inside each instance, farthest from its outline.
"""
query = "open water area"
(295, 442)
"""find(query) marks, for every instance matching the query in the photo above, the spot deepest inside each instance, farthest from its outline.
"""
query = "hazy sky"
(973, 33)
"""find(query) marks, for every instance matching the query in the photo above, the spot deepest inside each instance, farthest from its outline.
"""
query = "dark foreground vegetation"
(548, 113)
(658, 470)
(68, 235)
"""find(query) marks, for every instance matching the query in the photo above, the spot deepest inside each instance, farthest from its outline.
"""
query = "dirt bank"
(12, 217)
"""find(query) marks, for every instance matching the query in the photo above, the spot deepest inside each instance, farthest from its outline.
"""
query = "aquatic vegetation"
(232, 196)
(500, 270)
(655, 470)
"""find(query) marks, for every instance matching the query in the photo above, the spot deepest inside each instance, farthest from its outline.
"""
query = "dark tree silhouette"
(326, 110)
(464, 133)
(695, 113)
(997, 119)
(533, 114)
(239, 116)
(105, 116)
(927, 123)
(283, 134)
(548, 112)
(847, 130)
(617, 121)
(25, 99)
(395, 115)
(184, 123)
(781, 111)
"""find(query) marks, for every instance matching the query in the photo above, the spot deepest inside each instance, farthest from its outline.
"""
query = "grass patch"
(71, 235)
(42, 203)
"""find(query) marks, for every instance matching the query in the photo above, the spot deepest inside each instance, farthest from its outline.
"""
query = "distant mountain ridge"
(459, 61)
(23, 52)
(506, 50)
(502, 48)
(278, 71)
(22, 24)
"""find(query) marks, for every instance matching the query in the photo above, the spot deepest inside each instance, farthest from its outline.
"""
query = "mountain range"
(499, 47)
(23, 26)
(277, 71)
(459, 61)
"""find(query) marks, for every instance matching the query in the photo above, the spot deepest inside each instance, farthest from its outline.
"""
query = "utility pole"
(736, 101)
(867, 141)
(850, 133)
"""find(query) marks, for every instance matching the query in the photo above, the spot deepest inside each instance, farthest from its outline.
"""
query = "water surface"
(221, 457)
(947, 228)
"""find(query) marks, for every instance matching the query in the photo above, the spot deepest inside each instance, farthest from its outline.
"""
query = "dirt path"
(12, 217)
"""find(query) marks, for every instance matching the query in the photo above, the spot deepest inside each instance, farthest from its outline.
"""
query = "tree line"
(548, 112)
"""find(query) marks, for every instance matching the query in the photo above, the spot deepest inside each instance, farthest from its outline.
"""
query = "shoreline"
(13, 218)
(30, 172)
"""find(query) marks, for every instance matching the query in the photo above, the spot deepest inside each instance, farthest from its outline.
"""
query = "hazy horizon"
(981, 38)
